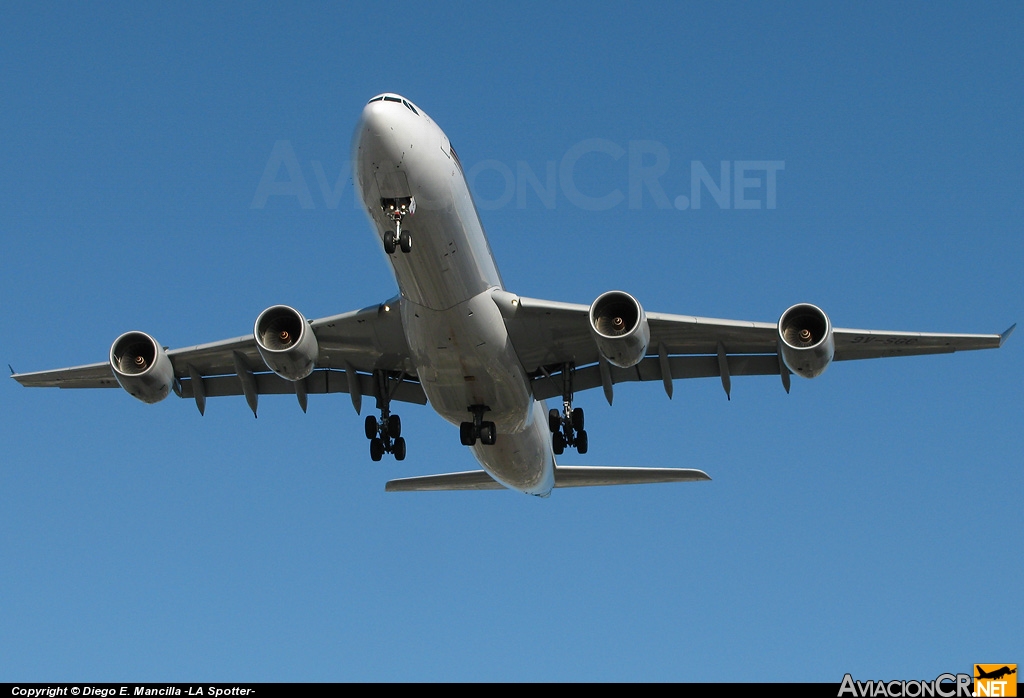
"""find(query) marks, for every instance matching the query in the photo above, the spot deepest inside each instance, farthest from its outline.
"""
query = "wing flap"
(320, 382)
(545, 387)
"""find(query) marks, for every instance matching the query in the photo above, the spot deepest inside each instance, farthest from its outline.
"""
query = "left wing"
(361, 353)
(548, 336)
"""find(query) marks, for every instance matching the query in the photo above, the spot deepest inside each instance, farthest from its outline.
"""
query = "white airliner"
(485, 358)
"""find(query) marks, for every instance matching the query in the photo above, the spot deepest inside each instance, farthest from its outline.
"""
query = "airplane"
(484, 357)
(995, 674)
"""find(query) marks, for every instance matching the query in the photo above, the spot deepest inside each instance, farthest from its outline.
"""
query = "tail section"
(565, 476)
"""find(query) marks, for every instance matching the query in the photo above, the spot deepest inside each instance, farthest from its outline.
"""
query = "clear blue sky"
(869, 522)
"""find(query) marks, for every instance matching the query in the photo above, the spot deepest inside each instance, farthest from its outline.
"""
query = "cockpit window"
(389, 98)
(455, 157)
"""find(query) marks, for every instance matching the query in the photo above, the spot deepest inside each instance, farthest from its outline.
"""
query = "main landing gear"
(567, 426)
(397, 210)
(469, 432)
(385, 434)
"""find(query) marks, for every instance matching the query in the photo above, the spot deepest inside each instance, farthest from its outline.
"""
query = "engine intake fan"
(805, 340)
(619, 326)
(141, 366)
(286, 342)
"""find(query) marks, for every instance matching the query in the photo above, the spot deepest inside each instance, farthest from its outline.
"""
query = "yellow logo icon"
(995, 680)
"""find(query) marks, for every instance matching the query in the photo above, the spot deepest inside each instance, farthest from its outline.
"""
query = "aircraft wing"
(352, 347)
(547, 335)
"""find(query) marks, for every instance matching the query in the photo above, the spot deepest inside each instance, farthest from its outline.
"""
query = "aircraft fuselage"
(459, 344)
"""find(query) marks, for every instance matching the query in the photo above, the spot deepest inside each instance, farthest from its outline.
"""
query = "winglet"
(1005, 335)
(12, 369)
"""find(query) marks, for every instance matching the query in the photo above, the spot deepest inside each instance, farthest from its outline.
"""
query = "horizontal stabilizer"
(468, 480)
(565, 476)
(596, 476)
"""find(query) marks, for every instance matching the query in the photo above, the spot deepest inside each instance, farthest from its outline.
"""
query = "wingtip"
(1005, 335)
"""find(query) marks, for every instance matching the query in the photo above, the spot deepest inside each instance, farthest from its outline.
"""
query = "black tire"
(405, 240)
(488, 434)
(577, 419)
(399, 448)
(389, 242)
(554, 420)
(581, 443)
(558, 443)
(394, 426)
(376, 449)
(370, 427)
(466, 434)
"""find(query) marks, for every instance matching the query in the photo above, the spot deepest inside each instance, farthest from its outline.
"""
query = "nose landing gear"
(469, 432)
(397, 210)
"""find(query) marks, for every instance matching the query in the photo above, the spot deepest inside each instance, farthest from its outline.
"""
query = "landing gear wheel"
(577, 419)
(405, 240)
(385, 432)
(467, 434)
(488, 434)
(558, 443)
(554, 420)
(376, 449)
(566, 425)
(389, 242)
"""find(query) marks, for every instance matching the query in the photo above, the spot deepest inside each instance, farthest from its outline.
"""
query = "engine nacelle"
(141, 366)
(286, 342)
(619, 326)
(805, 340)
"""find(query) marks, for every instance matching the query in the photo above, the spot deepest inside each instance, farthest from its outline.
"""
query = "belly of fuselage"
(464, 357)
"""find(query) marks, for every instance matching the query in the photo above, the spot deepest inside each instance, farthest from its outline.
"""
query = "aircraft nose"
(377, 124)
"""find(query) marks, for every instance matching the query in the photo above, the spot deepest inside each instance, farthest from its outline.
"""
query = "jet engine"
(141, 366)
(619, 326)
(286, 342)
(805, 340)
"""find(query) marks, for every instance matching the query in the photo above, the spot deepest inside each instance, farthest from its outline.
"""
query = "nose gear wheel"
(480, 429)
(397, 210)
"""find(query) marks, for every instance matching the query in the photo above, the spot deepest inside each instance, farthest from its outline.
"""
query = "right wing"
(361, 353)
(549, 335)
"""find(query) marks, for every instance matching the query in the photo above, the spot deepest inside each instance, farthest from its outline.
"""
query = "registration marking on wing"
(871, 339)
